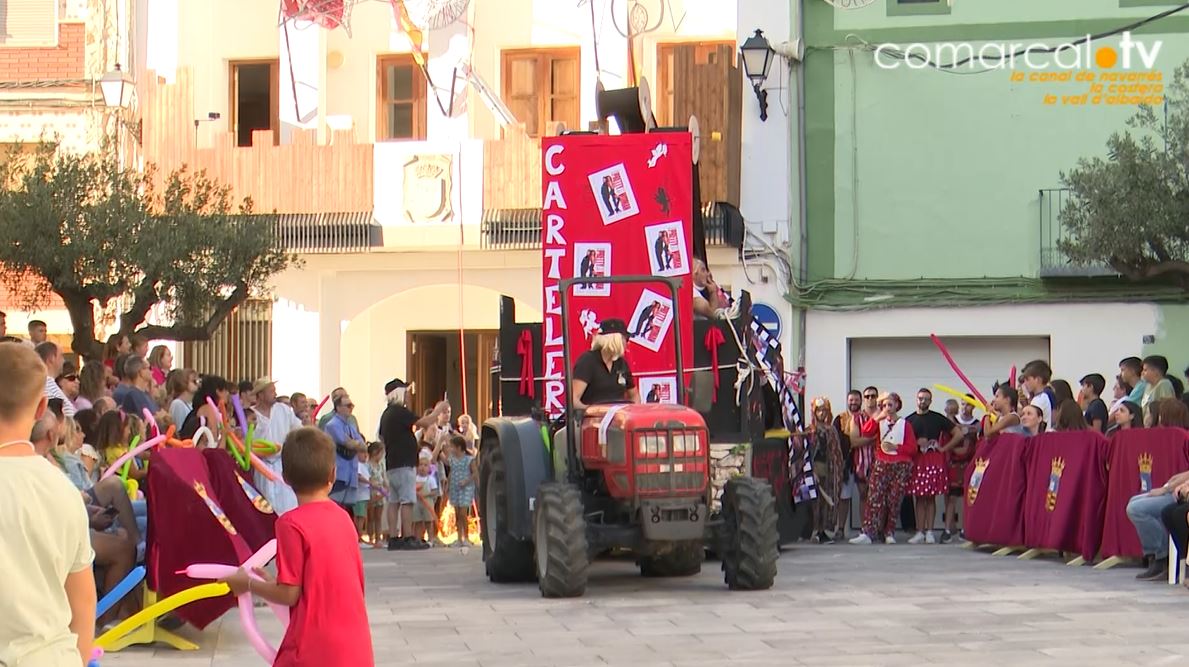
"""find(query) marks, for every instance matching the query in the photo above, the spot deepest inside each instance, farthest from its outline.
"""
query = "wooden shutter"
(519, 81)
(701, 79)
(565, 81)
(28, 22)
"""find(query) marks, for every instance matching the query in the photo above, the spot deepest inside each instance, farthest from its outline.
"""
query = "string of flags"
(770, 359)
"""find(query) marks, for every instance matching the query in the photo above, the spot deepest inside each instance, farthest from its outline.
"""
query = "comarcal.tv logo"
(1082, 54)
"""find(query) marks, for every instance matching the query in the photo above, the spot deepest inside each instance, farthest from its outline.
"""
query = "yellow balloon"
(961, 396)
(201, 592)
(132, 486)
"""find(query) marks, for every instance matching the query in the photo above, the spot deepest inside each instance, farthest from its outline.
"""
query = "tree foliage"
(1130, 211)
(97, 233)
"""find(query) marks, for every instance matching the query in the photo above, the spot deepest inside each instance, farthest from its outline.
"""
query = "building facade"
(403, 161)
(933, 188)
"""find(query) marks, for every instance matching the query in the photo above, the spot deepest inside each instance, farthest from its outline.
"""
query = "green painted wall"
(919, 173)
(1172, 338)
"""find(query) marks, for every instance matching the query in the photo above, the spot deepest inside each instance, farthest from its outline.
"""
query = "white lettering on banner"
(553, 167)
(553, 198)
(553, 300)
(553, 226)
(554, 392)
(553, 331)
(554, 251)
(553, 255)
(553, 365)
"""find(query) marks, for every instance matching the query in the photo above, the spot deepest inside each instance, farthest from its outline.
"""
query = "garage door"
(907, 364)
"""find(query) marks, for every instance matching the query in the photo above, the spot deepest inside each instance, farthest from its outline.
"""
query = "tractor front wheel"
(559, 534)
(749, 544)
(684, 559)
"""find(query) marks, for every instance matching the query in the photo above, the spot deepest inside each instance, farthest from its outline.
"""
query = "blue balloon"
(116, 594)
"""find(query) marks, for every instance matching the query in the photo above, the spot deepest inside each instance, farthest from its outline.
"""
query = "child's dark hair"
(459, 442)
(1039, 369)
(308, 459)
(375, 448)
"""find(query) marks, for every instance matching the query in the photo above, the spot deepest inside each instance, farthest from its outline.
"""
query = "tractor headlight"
(685, 443)
(652, 445)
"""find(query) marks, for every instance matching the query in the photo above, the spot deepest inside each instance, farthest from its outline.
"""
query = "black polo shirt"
(396, 430)
(603, 385)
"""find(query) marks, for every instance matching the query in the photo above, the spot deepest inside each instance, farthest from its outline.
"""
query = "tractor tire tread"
(512, 559)
(562, 524)
(750, 553)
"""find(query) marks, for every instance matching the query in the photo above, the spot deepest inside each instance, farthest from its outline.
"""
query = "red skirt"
(929, 475)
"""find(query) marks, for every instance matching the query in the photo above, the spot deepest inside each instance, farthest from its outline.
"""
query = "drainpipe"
(802, 207)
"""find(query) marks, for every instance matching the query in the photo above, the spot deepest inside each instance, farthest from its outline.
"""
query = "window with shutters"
(541, 86)
(402, 94)
(28, 23)
(240, 349)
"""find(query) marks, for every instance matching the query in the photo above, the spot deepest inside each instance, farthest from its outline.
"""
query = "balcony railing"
(328, 232)
(1053, 262)
(520, 228)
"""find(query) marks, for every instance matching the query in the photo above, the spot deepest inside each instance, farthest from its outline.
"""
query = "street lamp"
(757, 56)
(117, 88)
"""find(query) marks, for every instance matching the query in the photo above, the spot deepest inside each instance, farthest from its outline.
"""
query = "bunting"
(770, 359)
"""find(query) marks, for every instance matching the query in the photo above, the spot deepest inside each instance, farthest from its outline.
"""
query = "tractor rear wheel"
(684, 559)
(749, 545)
(559, 533)
(508, 559)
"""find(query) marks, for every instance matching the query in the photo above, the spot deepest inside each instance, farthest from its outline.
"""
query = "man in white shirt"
(1036, 376)
(274, 421)
(51, 356)
(47, 596)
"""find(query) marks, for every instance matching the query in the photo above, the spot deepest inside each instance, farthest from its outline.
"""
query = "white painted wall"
(1084, 338)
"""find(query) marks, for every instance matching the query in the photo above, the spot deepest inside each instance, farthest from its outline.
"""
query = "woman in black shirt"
(601, 375)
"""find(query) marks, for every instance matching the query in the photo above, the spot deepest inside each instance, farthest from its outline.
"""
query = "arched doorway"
(414, 335)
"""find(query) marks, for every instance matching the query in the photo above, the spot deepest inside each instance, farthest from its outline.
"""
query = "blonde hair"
(612, 343)
(69, 431)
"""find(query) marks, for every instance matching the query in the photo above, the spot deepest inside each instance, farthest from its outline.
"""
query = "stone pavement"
(832, 605)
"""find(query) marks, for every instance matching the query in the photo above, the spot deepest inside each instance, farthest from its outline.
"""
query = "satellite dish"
(696, 131)
(435, 13)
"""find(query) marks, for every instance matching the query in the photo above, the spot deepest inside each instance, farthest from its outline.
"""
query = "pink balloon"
(218, 415)
(209, 571)
(150, 419)
(247, 615)
(115, 465)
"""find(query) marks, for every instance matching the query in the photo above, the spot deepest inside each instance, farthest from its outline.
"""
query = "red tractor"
(630, 477)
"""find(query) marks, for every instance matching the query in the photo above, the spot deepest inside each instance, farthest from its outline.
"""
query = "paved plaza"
(832, 605)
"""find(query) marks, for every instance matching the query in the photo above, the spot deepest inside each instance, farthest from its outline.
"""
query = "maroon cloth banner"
(1066, 498)
(199, 513)
(996, 480)
(1140, 460)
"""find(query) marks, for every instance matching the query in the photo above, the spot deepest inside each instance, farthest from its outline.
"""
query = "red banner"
(1065, 502)
(618, 205)
(1140, 460)
(995, 482)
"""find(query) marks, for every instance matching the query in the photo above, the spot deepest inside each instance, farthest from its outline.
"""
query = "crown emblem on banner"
(1145, 472)
(1145, 462)
(1055, 471)
(976, 479)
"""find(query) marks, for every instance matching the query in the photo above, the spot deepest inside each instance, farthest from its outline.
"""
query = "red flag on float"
(618, 205)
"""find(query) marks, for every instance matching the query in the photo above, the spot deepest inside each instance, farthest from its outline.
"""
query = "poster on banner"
(600, 191)
(658, 389)
(650, 320)
(592, 260)
(668, 256)
(613, 190)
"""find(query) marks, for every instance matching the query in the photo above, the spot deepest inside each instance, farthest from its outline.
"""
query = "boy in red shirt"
(319, 571)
